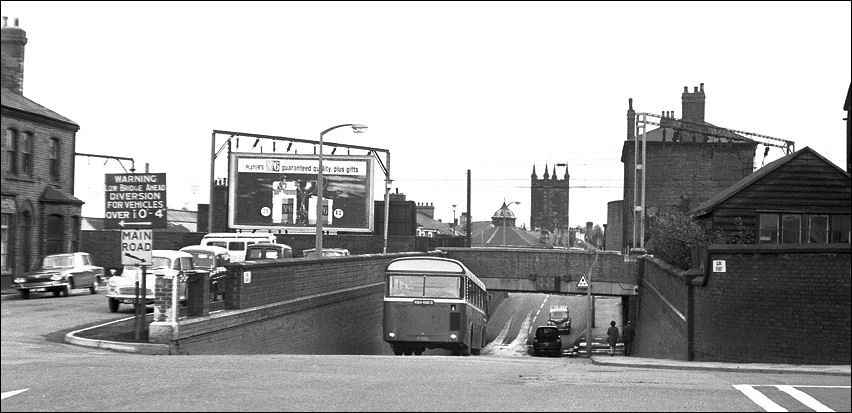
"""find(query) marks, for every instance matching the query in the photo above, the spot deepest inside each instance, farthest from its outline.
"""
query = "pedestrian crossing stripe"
(582, 283)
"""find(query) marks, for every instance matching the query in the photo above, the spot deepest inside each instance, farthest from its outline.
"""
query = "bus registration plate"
(424, 302)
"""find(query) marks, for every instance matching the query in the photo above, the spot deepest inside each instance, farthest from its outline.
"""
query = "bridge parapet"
(549, 270)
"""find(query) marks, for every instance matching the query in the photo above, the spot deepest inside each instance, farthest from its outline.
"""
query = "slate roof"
(17, 101)
(443, 228)
(54, 195)
(708, 205)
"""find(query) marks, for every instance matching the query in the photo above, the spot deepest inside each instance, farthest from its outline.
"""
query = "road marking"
(8, 394)
(804, 398)
(759, 398)
(497, 343)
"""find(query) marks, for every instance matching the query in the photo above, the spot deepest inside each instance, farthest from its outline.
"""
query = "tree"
(670, 233)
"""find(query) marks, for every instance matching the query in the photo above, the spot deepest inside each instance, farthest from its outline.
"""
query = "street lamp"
(454, 219)
(357, 128)
(504, 220)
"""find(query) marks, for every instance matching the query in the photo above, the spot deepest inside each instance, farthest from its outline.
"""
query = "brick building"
(40, 214)
(687, 160)
(549, 201)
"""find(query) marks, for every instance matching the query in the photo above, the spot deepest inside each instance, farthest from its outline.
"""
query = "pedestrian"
(612, 337)
(627, 337)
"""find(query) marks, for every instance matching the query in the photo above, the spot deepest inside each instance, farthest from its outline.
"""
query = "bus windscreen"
(424, 286)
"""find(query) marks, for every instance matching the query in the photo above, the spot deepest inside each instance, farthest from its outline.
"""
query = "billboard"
(279, 191)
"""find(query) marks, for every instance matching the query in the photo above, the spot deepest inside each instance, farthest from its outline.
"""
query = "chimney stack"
(13, 41)
(693, 104)
(426, 209)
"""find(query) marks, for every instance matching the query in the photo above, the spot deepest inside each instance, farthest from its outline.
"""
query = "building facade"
(688, 160)
(40, 214)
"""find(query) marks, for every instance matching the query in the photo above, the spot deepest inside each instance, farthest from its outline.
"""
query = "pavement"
(603, 360)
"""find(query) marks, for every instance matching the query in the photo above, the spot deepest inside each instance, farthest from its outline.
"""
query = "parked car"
(547, 341)
(212, 259)
(59, 274)
(326, 252)
(121, 289)
(268, 251)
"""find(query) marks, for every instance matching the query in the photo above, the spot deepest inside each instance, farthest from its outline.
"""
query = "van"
(236, 242)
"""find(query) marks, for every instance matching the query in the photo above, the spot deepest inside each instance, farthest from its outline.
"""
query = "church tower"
(549, 200)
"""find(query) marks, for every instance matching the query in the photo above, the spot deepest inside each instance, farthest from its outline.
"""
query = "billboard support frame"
(384, 165)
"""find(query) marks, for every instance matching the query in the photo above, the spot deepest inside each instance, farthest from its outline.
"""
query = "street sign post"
(135, 201)
(136, 246)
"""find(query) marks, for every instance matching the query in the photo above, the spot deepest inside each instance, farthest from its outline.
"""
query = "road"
(41, 373)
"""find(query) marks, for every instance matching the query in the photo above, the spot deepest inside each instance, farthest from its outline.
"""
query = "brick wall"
(788, 305)
(660, 331)
(318, 306)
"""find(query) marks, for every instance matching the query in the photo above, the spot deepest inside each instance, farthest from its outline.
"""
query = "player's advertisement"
(279, 191)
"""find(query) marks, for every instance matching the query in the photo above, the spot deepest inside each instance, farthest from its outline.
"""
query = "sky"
(490, 87)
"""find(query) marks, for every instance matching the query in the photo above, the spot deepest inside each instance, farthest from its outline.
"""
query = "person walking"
(627, 337)
(612, 337)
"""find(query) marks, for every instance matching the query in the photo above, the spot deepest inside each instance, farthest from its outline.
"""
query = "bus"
(433, 302)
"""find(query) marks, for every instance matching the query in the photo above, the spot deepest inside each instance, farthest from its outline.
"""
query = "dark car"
(547, 341)
(61, 273)
(268, 251)
(212, 259)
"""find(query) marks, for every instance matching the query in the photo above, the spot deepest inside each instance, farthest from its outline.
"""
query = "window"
(54, 158)
(768, 229)
(75, 234)
(26, 149)
(11, 155)
(791, 229)
(4, 241)
(818, 229)
(840, 228)
(237, 246)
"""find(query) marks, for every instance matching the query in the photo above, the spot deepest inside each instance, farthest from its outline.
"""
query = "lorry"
(560, 318)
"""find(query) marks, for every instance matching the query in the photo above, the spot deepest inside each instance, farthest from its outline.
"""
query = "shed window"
(818, 229)
(791, 229)
(768, 228)
(841, 225)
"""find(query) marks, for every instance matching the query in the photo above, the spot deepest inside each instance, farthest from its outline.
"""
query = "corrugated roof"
(16, 101)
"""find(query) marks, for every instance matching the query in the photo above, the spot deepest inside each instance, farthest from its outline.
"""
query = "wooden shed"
(800, 198)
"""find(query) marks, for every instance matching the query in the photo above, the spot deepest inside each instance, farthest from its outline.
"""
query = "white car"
(122, 289)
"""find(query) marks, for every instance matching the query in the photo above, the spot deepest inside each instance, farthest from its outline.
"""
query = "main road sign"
(137, 246)
(135, 201)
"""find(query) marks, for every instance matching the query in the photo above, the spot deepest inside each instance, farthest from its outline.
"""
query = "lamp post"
(357, 128)
(454, 219)
(504, 221)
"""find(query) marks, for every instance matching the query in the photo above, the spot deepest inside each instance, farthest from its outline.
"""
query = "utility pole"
(591, 309)
(469, 217)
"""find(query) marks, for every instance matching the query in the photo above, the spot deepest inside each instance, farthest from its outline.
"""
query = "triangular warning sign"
(582, 283)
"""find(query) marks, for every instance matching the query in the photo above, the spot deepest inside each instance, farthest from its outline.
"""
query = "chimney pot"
(5, 21)
(702, 87)
(695, 89)
(16, 22)
(686, 89)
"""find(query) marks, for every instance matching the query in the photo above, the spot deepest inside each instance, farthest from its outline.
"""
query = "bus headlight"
(391, 334)
(453, 336)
